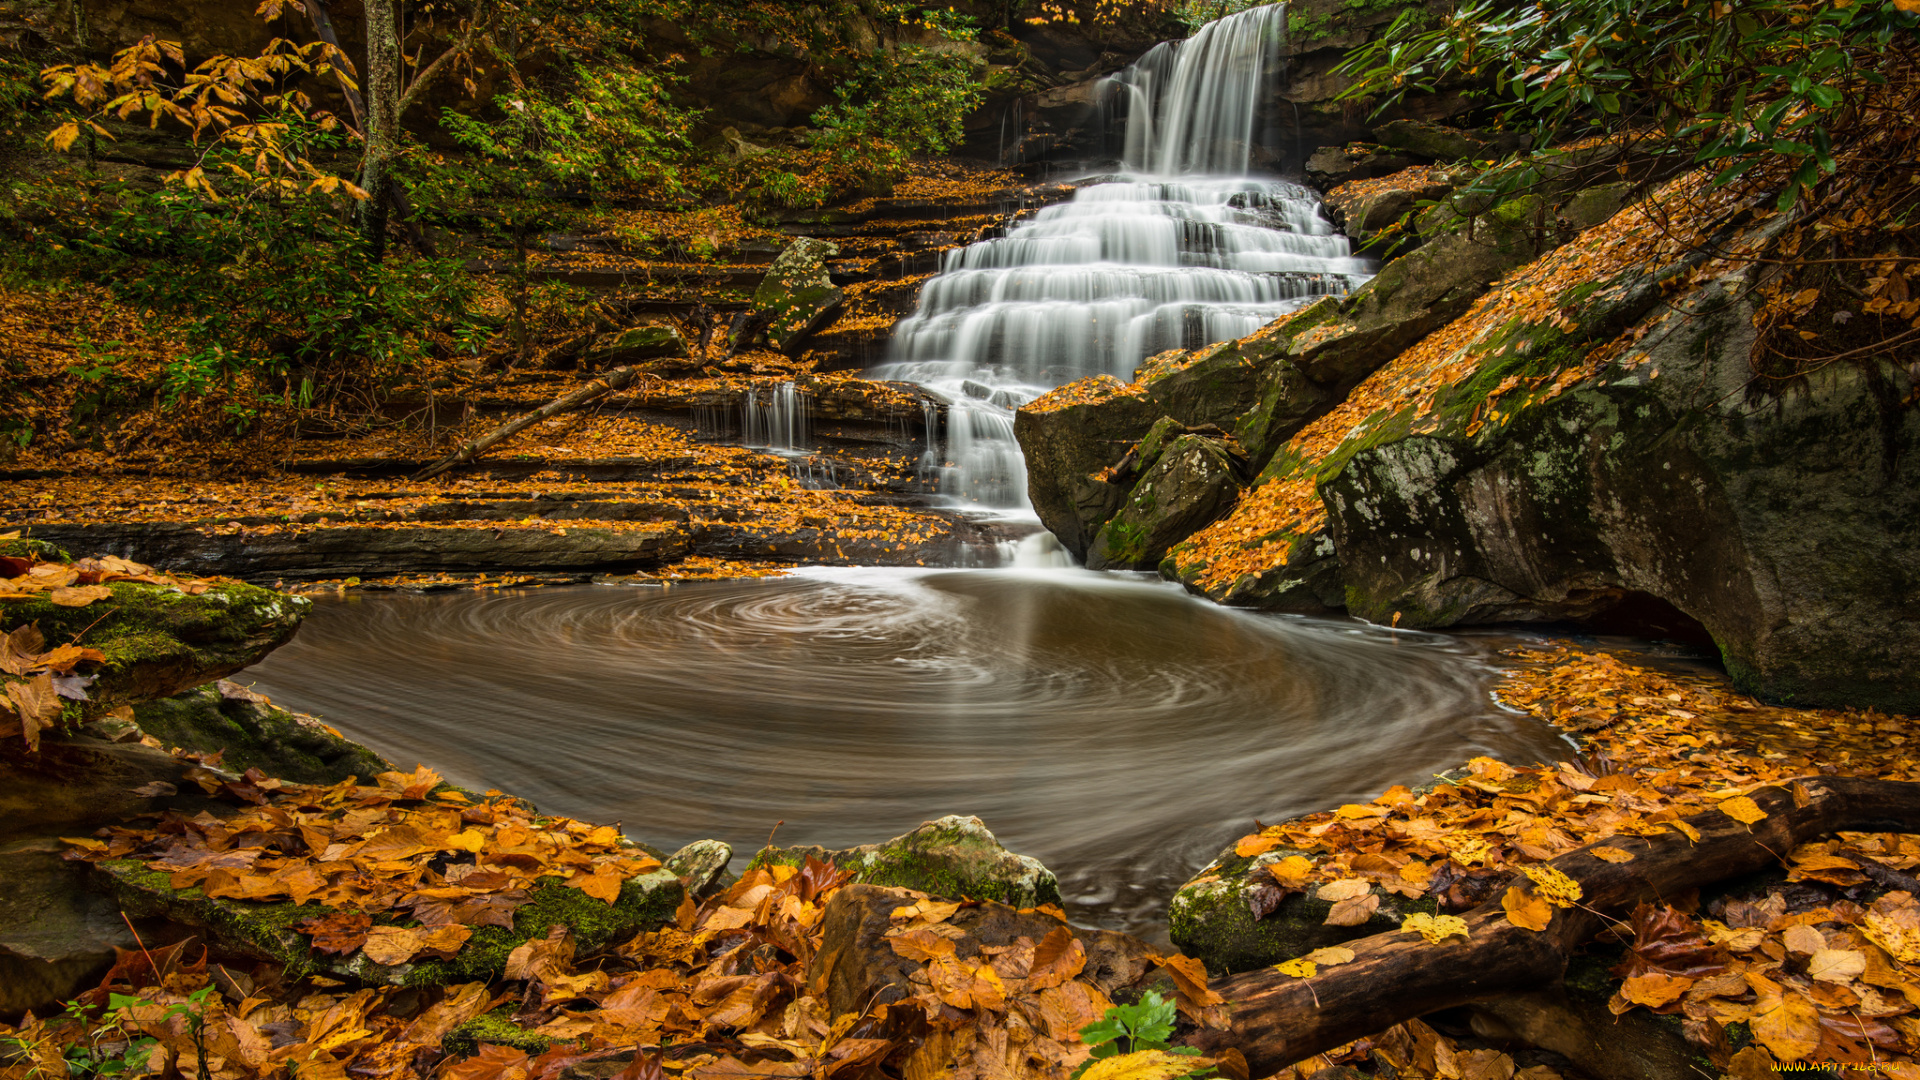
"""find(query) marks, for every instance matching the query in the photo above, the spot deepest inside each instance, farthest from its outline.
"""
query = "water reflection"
(1113, 727)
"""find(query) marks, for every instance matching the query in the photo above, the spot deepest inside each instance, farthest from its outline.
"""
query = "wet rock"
(1786, 523)
(158, 641)
(859, 968)
(1066, 444)
(56, 936)
(1378, 216)
(1332, 165)
(701, 866)
(1212, 918)
(349, 551)
(265, 931)
(1435, 142)
(1191, 483)
(1573, 1021)
(255, 734)
(634, 345)
(77, 784)
(1308, 584)
(952, 856)
(798, 296)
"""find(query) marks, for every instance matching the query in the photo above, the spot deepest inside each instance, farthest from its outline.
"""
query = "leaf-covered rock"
(798, 296)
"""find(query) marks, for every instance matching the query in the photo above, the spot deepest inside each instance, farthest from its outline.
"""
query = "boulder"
(265, 931)
(255, 734)
(56, 936)
(634, 345)
(77, 783)
(1212, 917)
(1067, 437)
(701, 866)
(1438, 142)
(1333, 165)
(860, 969)
(1785, 520)
(798, 296)
(1378, 215)
(1191, 483)
(952, 856)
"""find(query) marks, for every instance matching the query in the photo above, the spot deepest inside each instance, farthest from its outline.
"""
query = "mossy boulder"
(1210, 918)
(159, 640)
(266, 931)
(952, 856)
(1784, 521)
(255, 734)
(1437, 142)
(1068, 438)
(1191, 483)
(21, 547)
(495, 1029)
(635, 344)
(797, 297)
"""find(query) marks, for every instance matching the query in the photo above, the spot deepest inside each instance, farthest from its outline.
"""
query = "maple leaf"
(1435, 928)
(1526, 910)
(35, 705)
(1056, 959)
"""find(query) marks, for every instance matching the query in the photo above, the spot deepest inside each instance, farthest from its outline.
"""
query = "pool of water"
(1110, 725)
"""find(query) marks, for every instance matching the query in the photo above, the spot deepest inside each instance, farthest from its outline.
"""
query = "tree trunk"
(1277, 1020)
(616, 379)
(382, 128)
(323, 26)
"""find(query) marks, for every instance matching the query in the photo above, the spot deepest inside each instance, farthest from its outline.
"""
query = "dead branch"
(617, 379)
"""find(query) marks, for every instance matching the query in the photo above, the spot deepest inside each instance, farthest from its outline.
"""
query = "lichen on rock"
(953, 856)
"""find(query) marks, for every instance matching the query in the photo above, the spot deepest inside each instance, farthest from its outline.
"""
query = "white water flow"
(1182, 249)
(776, 418)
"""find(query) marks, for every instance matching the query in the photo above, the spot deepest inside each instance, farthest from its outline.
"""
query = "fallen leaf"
(1249, 846)
(1525, 910)
(1331, 956)
(79, 595)
(1653, 989)
(1345, 889)
(1742, 809)
(391, 945)
(35, 704)
(1145, 1065)
(1790, 1030)
(1299, 967)
(341, 932)
(1435, 928)
(1837, 965)
(1189, 980)
(1611, 854)
(1059, 957)
(603, 884)
(1352, 912)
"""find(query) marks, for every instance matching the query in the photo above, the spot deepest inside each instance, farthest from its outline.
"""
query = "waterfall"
(778, 419)
(1181, 250)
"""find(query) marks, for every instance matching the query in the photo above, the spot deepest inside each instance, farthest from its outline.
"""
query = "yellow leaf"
(1743, 810)
(391, 945)
(1790, 1030)
(63, 137)
(1837, 965)
(1331, 956)
(1292, 870)
(1654, 989)
(1435, 928)
(1249, 846)
(1557, 888)
(1611, 854)
(1525, 910)
(1145, 1065)
(1353, 911)
(1907, 5)
(79, 595)
(1299, 968)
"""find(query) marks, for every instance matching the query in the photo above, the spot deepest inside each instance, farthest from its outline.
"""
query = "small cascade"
(1181, 250)
(778, 419)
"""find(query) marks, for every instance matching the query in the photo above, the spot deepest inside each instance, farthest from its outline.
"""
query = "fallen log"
(617, 379)
(1276, 1019)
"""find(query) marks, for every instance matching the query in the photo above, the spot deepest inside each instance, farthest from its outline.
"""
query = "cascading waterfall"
(1181, 250)
(776, 419)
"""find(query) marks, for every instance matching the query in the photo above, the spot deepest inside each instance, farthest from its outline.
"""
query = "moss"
(256, 735)
(646, 902)
(951, 857)
(23, 548)
(495, 1028)
(262, 931)
(1209, 919)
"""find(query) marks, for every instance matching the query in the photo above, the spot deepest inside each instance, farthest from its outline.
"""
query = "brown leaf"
(36, 704)
(64, 659)
(921, 944)
(79, 595)
(341, 932)
(1353, 911)
(392, 945)
(1790, 1029)
(540, 959)
(491, 1063)
(19, 649)
(603, 884)
(1654, 990)
(1058, 958)
(1189, 981)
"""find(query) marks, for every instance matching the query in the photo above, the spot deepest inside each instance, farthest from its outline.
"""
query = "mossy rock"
(256, 734)
(953, 857)
(1209, 918)
(25, 548)
(159, 641)
(492, 1029)
(1191, 483)
(265, 931)
(797, 297)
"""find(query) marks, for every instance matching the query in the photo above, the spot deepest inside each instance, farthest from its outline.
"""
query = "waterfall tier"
(1181, 251)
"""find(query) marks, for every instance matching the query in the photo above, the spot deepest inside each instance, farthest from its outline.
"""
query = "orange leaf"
(1525, 910)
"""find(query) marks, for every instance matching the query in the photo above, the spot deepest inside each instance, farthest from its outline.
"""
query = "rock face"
(1787, 524)
(254, 734)
(860, 969)
(1261, 388)
(798, 296)
(634, 344)
(56, 938)
(953, 856)
(1193, 481)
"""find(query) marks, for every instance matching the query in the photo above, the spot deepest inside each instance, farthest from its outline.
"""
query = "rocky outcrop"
(635, 344)
(1786, 522)
(1261, 388)
(56, 937)
(798, 296)
(253, 733)
(952, 856)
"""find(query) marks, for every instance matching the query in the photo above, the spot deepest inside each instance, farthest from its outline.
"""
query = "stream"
(1110, 725)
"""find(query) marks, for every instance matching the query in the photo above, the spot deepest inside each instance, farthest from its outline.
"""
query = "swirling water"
(1114, 727)
(1180, 250)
